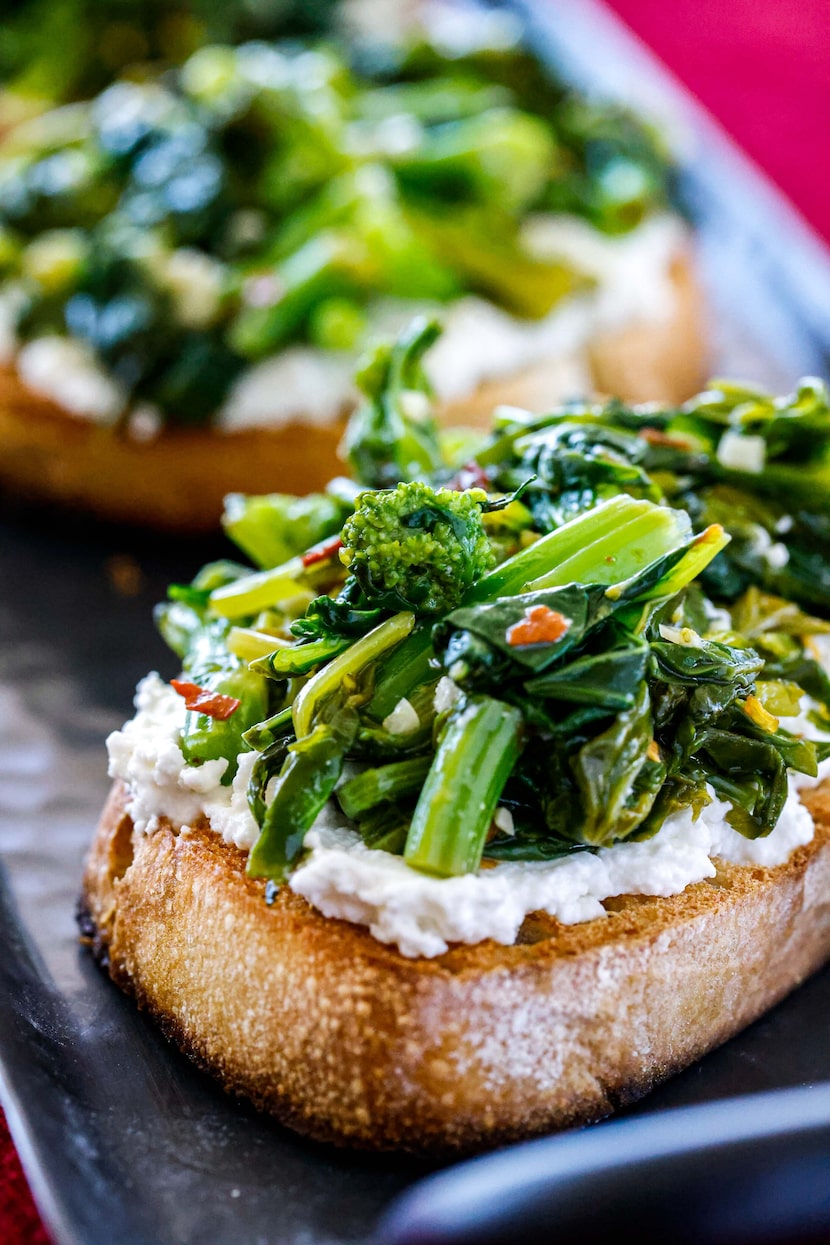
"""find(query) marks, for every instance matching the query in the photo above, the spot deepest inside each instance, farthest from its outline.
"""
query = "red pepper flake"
(655, 436)
(540, 625)
(323, 552)
(471, 475)
(203, 700)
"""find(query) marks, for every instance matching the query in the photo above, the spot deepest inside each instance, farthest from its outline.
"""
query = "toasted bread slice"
(179, 480)
(344, 1039)
(176, 482)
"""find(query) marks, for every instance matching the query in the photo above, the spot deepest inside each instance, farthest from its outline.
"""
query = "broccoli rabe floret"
(392, 436)
(414, 547)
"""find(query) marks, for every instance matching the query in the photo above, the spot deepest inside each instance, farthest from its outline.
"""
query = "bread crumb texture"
(346, 1040)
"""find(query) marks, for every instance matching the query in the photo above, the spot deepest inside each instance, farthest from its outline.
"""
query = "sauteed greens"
(59, 52)
(732, 455)
(545, 649)
(185, 226)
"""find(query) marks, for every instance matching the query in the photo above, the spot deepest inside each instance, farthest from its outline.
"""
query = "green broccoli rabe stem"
(250, 594)
(624, 540)
(557, 548)
(804, 484)
(433, 100)
(275, 527)
(208, 739)
(259, 591)
(308, 778)
(477, 751)
(180, 626)
(385, 828)
(406, 667)
(644, 601)
(383, 784)
(635, 544)
(249, 645)
(333, 677)
(262, 734)
(336, 263)
(486, 253)
(386, 441)
(288, 663)
(504, 158)
(338, 324)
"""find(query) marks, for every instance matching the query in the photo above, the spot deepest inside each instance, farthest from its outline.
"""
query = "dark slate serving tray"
(121, 1139)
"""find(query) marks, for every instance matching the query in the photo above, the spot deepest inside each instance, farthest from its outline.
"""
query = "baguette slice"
(178, 481)
(345, 1040)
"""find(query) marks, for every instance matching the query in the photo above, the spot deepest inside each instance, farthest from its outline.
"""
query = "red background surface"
(763, 68)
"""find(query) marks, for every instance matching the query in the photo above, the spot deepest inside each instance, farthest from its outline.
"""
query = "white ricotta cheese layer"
(422, 914)
(67, 371)
(418, 913)
(146, 755)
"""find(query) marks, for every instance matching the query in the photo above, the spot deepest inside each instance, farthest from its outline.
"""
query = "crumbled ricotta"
(446, 695)
(146, 755)
(616, 263)
(741, 452)
(301, 383)
(802, 725)
(66, 370)
(794, 828)
(196, 282)
(777, 555)
(774, 553)
(403, 719)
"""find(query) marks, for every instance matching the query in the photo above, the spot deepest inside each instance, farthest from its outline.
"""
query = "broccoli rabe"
(189, 222)
(533, 667)
(414, 547)
(757, 464)
(276, 527)
(393, 436)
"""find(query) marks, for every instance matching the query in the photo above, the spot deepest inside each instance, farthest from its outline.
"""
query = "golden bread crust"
(346, 1040)
(179, 480)
(176, 482)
